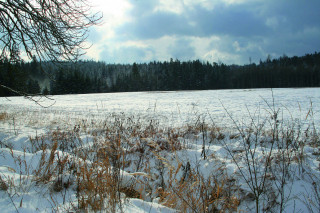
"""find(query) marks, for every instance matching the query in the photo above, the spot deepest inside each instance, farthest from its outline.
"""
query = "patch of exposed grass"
(4, 116)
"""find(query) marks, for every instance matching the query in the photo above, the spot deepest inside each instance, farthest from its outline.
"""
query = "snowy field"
(209, 128)
(174, 108)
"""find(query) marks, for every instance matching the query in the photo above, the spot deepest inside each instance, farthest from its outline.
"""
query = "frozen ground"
(168, 110)
(175, 108)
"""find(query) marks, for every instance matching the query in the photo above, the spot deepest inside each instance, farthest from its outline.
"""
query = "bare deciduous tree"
(51, 30)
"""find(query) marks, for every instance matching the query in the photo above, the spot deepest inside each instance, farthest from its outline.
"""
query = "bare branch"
(37, 98)
(51, 30)
(48, 30)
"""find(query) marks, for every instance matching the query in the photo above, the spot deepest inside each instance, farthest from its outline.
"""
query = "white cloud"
(112, 9)
(230, 2)
(180, 6)
(147, 30)
(275, 21)
(115, 13)
(272, 22)
(221, 56)
(93, 52)
(176, 7)
(207, 4)
(236, 46)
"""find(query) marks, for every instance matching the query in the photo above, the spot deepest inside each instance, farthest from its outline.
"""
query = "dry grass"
(93, 167)
(95, 170)
(4, 116)
(194, 193)
(3, 185)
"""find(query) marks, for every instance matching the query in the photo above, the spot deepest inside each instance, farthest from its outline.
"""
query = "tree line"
(99, 77)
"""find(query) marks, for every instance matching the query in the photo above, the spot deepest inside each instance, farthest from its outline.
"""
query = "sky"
(227, 31)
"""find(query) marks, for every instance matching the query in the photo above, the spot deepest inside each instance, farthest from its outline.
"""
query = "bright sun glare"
(111, 7)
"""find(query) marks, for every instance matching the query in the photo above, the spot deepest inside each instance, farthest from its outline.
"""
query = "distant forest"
(99, 77)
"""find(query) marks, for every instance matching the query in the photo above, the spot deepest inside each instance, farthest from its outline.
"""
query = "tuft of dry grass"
(4, 116)
(194, 193)
(3, 185)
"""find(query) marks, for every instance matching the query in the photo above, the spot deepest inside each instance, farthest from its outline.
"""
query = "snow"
(171, 108)
(226, 109)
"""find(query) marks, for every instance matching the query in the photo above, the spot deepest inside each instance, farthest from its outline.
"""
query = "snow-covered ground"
(173, 108)
(229, 110)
